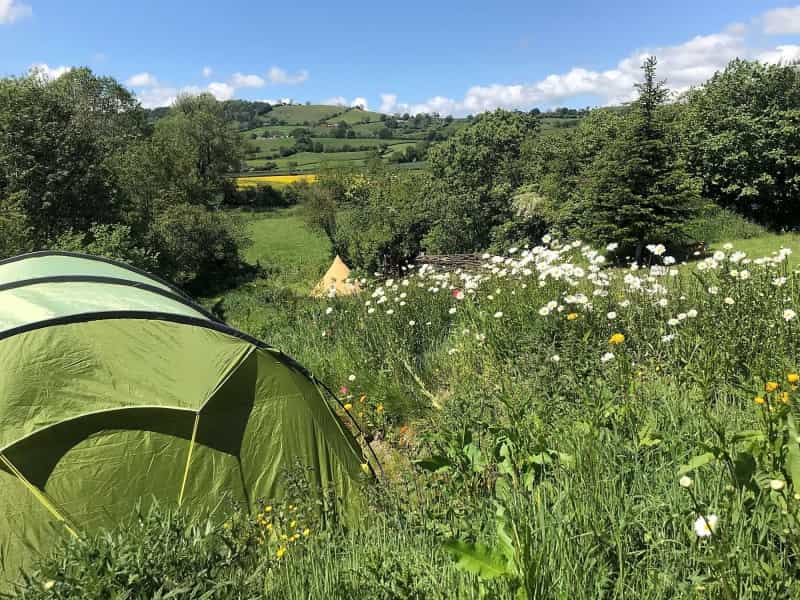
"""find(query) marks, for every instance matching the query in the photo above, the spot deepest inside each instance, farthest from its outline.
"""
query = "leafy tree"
(637, 189)
(475, 173)
(58, 143)
(742, 132)
(193, 149)
(555, 165)
(382, 219)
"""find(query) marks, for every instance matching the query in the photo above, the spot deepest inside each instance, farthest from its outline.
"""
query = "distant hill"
(302, 138)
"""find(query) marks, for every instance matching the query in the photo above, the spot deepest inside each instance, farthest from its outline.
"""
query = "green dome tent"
(116, 388)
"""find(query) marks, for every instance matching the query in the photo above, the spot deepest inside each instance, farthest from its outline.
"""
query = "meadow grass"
(549, 427)
(508, 386)
(281, 241)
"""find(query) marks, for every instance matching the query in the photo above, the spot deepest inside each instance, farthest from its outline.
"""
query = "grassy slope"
(299, 114)
(354, 116)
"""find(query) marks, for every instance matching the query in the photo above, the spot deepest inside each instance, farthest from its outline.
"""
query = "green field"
(309, 162)
(353, 116)
(298, 114)
(282, 241)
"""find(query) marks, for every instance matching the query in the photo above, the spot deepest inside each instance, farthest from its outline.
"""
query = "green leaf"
(475, 457)
(505, 543)
(751, 435)
(793, 455)
(696, 463)
(477, 559)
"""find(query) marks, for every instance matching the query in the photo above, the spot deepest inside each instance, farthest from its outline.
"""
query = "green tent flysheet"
(117, 389)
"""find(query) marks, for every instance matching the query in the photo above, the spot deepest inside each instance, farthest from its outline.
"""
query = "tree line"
(83, 167)
(646, 172)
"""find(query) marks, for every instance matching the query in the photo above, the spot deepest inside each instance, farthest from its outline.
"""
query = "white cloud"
(142, 80)
(279, 76)
(47, 72)
(12, 11)
(207, 72)
(335, 101)
(782, 21)
(240, 80)
(388, 103)
(359, 101)
(221, 91)
(781, 54)
(683, 66)
(158, 96)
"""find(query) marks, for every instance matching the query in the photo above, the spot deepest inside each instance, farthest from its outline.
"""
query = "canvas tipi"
(336, 282)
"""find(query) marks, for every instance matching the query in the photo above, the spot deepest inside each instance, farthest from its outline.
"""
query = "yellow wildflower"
(793, 378)
(306, 532)
(759, 400)
(293, 524)
(785, 397)
(281, 551)
(267, 509)
(572, 316)
(348, 406)
(771, 386)
(379, 408)
(617, 338)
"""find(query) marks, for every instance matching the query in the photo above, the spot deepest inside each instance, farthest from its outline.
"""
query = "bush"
(716, 224)
(198, 248)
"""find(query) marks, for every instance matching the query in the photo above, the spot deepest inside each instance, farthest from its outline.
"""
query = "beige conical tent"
(337, 281)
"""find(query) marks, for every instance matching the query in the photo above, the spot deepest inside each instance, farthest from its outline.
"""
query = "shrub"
(198, 248)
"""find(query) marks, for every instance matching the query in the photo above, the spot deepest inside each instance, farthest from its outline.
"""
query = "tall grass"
(535, 420)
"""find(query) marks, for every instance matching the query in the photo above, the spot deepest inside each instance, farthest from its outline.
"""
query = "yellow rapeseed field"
(272, 180)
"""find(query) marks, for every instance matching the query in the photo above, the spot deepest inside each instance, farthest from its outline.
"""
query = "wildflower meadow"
(559, 423)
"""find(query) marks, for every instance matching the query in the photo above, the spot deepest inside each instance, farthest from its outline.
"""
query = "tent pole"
(38, 494)
(189, 457)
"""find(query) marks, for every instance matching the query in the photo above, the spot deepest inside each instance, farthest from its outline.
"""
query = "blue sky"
(452, 57)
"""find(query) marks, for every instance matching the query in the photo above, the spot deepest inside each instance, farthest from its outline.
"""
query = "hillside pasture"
(298, 114)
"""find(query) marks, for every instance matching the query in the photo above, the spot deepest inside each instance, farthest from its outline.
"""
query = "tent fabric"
(49, 264)
(113, 394)
(336, 281)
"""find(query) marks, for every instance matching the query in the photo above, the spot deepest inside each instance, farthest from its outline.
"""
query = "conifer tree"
(637, 189)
